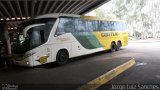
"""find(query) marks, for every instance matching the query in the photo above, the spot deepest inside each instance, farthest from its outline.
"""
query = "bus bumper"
(24, 63)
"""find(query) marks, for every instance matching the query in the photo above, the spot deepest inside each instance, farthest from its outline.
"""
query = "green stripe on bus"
(87, 39)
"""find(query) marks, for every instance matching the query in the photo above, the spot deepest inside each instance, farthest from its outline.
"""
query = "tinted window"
(80, 25)
(36, 38)
(66, 25)
(120, 26)
(47, 29)
(95, 25)
(106, 26)
(86, 25)
(103, 25)
(123, 26)
(90, 26)
(112, 26)
(38, 35)
(42, 36)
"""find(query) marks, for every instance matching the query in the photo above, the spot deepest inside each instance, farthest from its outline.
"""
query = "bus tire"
(62, 57)
(118, 46)
(113, 47)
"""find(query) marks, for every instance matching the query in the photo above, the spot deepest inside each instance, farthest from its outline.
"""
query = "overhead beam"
(12, 9)
(33, 6)
(19, 8)
(71, 6)
(26, 8)
(39, 7)
(59, 6)
(5, 9)
(4, 17)
(96, 5)
(78, 5)
(50, 10)
(65, 6)
(88, 3)
(45, 9)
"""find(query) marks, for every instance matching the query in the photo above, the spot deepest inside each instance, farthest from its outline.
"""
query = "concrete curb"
(99, 81)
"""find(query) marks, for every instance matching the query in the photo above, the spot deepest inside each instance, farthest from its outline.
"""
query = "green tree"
(99, 13)
(132, 11)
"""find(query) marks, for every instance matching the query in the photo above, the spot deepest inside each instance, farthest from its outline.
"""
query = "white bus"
(58, 37)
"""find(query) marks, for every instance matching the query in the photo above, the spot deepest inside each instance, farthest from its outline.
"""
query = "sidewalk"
(144, 41)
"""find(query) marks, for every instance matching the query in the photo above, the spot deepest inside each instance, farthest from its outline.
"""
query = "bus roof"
(101, 19)
(57, 15)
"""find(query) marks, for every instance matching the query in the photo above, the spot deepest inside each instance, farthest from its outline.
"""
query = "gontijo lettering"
(109, 34)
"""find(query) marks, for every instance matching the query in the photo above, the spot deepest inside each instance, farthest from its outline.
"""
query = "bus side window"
(95, 25)
(124, 26)
(47, 29)
(112, 25)
(60, 28)
(102, 26)
(118, 26)
(109, 25)
(89, 26)
(69, 25)
(81, 25)
(121, 27)
(66, 25)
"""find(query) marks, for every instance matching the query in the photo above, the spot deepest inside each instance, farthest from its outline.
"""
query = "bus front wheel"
(62, 57)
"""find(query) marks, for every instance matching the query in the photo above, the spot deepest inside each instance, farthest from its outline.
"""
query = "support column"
(4, 37)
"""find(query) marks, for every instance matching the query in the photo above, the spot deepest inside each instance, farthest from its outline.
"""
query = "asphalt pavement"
(145, 75)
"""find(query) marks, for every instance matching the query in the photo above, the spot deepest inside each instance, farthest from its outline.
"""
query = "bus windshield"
(32, 34)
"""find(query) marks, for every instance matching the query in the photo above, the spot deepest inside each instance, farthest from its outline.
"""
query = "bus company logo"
(43, 59)
(109, 34)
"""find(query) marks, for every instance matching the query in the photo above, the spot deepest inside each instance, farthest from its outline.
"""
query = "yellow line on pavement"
(103, 79)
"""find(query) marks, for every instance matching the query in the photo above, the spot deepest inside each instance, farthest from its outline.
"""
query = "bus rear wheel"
(62, 57)
(118, 46)
(113, 47)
